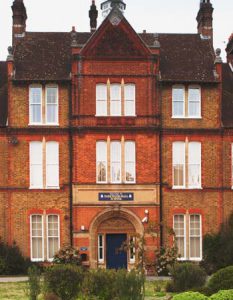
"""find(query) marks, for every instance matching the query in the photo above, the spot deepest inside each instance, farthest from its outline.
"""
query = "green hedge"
(221, 280)
(190, 296)
(223, 295)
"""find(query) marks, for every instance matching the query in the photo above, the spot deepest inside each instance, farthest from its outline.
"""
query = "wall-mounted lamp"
(146, 218)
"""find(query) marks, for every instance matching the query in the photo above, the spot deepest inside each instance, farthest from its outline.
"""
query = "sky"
(162, 16)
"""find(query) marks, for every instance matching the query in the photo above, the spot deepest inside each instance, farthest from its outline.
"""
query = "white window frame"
(42, 220)
(132, 250)
(97, 161)
(200, 166)
(129, 100)
(111, 162)
(32, 86)
(31, 164)
(46, 104)
(133, 161)
(201, 254)
(184, 167)
(46, 167)
(47, 234)
(185, 239)
(104, 85)
(196, 87)
(118, 101)
(101, 260)
(182, 87)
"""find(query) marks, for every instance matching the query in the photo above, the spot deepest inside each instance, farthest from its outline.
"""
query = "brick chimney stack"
(93, 15)
(205, 19)
(19, 20)
(229, 50)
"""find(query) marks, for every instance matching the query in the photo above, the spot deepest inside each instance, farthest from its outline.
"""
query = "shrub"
(186, 276)
(221, 280)
(34, 282)
(99, 283)
(64, 281)
(12, 261)
(67, 255)
(129, 285)
(166, 257)
(218, 248)
(190, 296)
(223, 295)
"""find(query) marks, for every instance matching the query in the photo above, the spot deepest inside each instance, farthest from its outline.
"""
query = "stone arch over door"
(118, 215)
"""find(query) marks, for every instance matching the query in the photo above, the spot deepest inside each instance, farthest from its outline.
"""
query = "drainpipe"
(70, 165)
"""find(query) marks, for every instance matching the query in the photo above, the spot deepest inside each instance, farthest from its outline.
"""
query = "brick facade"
(114, 53)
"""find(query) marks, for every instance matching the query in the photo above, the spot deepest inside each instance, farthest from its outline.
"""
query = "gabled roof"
(3, 93)
(115, 38)
(227, 97)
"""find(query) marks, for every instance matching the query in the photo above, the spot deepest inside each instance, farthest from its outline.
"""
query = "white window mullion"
(36, 165)
(52, 165)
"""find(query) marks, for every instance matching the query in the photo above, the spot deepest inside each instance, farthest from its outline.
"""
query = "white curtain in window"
(194, 102)
(178, 96)
(52, 164)
(195, 236)
(35, 94)
(115, 100)
(179, 229)
(37, 238)
(101, 161)
(178, 152)
(130, 162)
(194, 164)
(36, 165)
(101, 100)
(52, 105)
(129, 100)
(53, 235)
(115, 162)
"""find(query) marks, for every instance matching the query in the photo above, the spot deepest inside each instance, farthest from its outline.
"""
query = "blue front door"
(116, 258)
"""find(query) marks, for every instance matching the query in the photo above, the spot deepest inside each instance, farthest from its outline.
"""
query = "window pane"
(115, 162)
(194, 162)
(51, 93)
(101, 161)
(100, 248)
(130, 161)
(36, 237)
(115, 97)
(195, 236)
(179, 229)
(101, 100)
(52, 164)
(194, 101)
(36, 162)
(53, 235)
(178, 102)
(35, 104)
(129, 99)
(178, 163)
(52, 104)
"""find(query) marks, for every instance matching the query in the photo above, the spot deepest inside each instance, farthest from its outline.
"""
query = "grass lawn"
(18, 291)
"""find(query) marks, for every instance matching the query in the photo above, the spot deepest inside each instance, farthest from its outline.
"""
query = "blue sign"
(116, 196)
(83, 248)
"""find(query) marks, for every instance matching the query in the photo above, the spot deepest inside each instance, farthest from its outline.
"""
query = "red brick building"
(104, 132)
